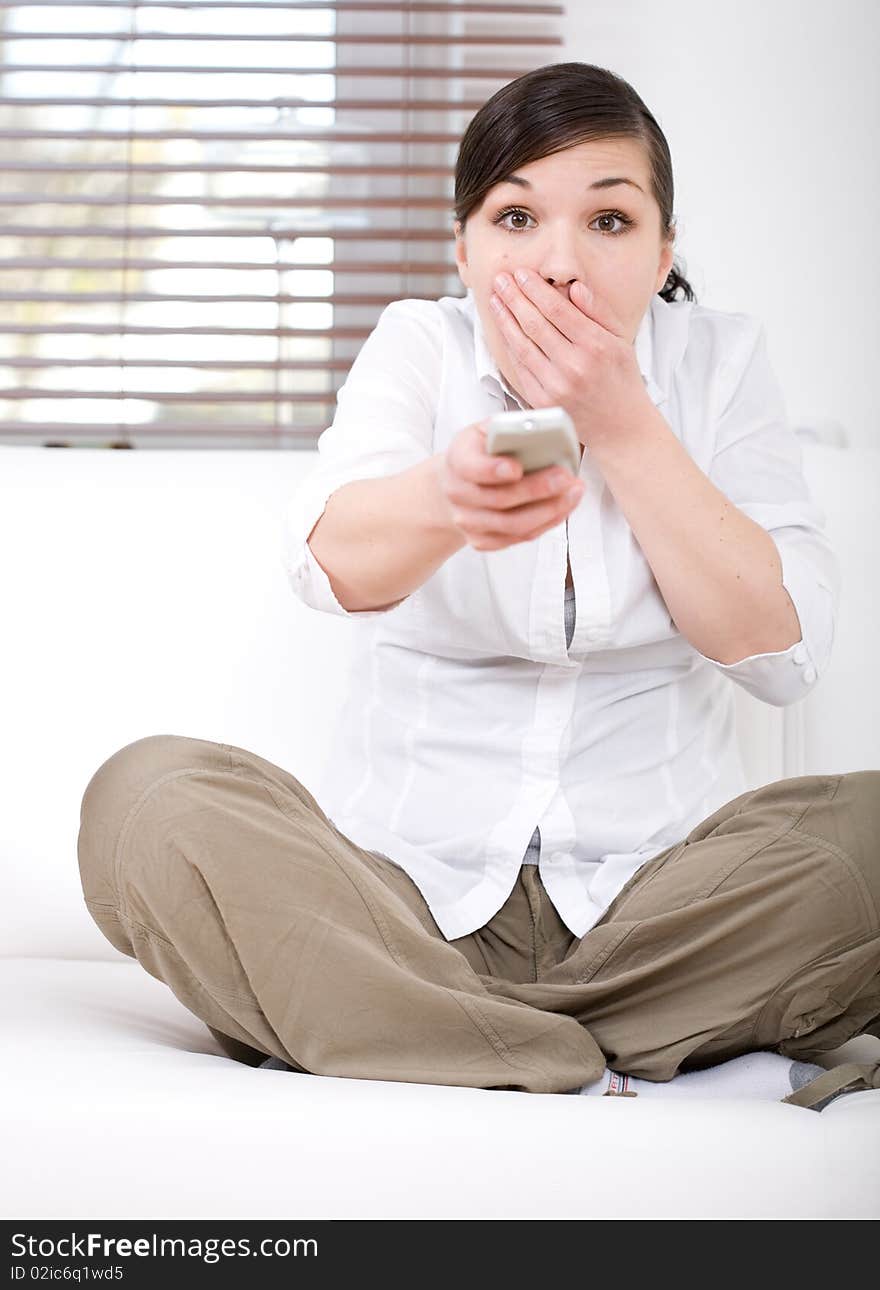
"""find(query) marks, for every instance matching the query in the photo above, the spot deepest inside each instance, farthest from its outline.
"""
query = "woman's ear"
(666, 261)
(461, 254)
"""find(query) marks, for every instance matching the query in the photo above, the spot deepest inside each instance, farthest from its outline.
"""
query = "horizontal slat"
(339, 104)
(155, 298)
(172, 396)
(333, 266)
(215, 168)
(129, 329)
(332, 69)
(280, 233)
(199, 364)
(71, 429)
(238, 203)
(337, 38)
(340, 6)
(316, 133)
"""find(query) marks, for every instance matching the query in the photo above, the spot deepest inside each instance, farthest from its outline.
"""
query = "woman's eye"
(510, 214)
(611, 216)
(520, 215)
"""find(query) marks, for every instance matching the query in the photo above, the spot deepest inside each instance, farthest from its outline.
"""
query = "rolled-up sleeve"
(758, 464)
(383, 424)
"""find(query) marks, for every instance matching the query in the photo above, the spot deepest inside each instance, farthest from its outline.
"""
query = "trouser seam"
(123, 914)
(794, 817)
(135, 809)
(467, 1003)
(601, 957)
(854, 869)
(532, 918)
(748, 852)
(139, 930)
(741, 857)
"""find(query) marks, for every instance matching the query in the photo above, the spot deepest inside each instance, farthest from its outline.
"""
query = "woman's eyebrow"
(608, 182)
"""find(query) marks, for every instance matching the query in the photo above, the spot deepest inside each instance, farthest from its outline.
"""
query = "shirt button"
(809, 675)
(592, 633)
(800, 653)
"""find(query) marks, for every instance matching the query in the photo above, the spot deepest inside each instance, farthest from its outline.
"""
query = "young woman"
(533, 863)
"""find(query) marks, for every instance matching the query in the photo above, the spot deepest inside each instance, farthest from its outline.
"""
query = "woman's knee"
(113, 792)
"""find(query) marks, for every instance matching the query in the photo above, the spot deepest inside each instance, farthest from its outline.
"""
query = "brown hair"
(555, 107)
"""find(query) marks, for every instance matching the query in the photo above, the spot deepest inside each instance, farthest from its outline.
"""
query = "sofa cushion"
(119, 1102)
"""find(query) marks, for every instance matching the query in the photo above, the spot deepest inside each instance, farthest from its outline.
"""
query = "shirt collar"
(487, 369)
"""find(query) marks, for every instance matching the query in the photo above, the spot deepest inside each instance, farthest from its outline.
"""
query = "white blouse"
(468, 721)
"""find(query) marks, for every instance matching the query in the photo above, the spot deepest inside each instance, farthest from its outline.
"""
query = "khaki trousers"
(223, 877)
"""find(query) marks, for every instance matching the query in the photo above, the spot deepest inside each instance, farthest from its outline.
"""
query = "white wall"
(771, 110)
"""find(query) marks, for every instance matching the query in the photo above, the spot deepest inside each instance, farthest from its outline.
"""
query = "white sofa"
(143, 593)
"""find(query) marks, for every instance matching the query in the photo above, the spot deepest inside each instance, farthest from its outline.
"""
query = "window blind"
(205, 205)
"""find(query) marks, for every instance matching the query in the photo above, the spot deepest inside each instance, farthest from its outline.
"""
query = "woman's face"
(565, 229)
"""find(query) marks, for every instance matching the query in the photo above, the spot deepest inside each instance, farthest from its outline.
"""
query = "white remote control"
(537, 438)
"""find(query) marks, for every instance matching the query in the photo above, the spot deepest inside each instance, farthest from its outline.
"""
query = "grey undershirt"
(533, 850)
